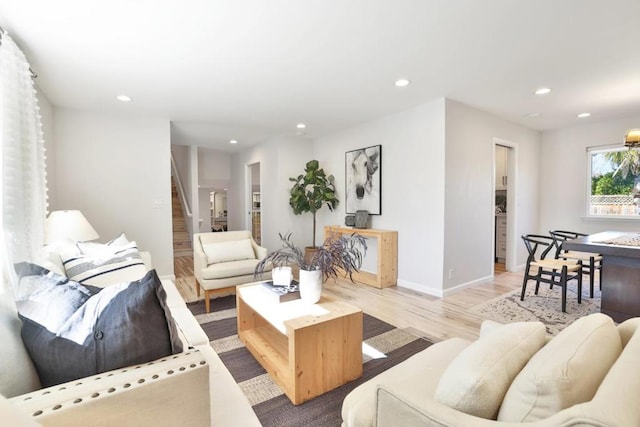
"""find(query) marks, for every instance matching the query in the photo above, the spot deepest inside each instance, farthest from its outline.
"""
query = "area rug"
(545, 307)
(272, 407)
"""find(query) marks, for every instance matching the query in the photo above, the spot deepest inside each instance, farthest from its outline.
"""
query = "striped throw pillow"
(123, 265)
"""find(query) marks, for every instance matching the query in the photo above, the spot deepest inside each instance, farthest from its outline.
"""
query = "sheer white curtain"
(24, 194)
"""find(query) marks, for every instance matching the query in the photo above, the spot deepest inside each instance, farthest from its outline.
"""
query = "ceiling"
(252, 69)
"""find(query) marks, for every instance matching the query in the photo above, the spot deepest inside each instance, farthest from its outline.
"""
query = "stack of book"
(281, 293)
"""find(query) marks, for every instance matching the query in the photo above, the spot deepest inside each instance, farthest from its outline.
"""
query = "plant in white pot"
(338, 255)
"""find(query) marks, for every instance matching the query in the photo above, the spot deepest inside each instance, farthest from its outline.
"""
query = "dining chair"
(590, 261)
(542, 266)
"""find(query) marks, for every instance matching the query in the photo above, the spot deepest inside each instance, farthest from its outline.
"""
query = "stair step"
(181, 236)
(181, 241)
(182, 245)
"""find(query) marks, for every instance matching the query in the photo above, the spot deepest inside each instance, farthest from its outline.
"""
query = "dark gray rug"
(271, 406)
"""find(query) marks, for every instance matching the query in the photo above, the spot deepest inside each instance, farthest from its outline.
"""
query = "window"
(614, 184)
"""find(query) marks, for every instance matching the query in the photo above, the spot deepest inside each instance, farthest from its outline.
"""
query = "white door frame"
(248, 200)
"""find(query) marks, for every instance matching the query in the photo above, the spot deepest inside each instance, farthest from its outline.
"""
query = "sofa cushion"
(477, 379)
(234, 250)
(418, 375)
(229, 269)
(566, 371)
(16, 369)
(124, 264)
(118, 326)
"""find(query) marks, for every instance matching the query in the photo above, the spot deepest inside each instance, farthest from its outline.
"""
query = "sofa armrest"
(199, 257)
(398, 408)
(170, 391)
(260, 252)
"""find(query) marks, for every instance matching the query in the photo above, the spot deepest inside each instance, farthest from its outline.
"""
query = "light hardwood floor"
(427, 316)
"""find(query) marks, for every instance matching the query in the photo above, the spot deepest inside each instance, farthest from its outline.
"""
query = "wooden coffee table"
(307, 349)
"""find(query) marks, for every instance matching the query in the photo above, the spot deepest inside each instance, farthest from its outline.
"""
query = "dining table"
(620, 273)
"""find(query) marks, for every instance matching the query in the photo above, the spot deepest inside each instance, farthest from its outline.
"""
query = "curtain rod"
(34, 75)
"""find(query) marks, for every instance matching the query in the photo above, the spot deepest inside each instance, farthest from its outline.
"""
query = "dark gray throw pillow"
(121, 325)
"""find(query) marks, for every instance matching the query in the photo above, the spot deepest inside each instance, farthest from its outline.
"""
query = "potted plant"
(341, 254)
(311, 190)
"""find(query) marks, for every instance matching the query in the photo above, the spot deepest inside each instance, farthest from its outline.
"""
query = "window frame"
(588, 215)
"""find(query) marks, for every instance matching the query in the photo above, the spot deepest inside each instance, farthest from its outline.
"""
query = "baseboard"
(171, 277)
(441, 293)
(462, 286)
(436, 292)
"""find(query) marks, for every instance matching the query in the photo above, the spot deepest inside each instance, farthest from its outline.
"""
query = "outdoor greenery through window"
(614, 189)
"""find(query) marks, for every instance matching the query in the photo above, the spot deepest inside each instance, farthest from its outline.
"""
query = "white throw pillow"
(234, 250)
(478, 378)
(122, 266)
(104, 249)
(565, 372)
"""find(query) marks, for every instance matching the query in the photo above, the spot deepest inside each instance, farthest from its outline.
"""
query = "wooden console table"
(387, 271)
(620, 274)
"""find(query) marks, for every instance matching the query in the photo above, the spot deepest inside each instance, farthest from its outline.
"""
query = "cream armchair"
(223, 260)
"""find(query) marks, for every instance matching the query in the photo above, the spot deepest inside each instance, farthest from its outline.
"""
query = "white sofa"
(192, 388)
(407, 394)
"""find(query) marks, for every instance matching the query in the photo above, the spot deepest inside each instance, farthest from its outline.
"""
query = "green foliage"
(311, 191)
(611, 183)
(626, 162)
(336, 255)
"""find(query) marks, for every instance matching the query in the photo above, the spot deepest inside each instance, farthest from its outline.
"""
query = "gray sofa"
(578, 378)
(192, 388)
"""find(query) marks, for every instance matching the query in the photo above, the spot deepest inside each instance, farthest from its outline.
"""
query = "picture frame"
(363, 183)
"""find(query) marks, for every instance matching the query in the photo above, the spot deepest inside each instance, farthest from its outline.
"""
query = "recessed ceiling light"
(233, 141)
(532, 115)
(301, 126)
(583, 115)
(543, 91)
(402, 82)
(123, 98)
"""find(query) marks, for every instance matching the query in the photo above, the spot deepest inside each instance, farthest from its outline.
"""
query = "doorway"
(218, 206)
(503, 223)
(254, 196)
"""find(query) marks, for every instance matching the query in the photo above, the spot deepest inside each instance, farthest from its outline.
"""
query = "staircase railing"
(176, 176)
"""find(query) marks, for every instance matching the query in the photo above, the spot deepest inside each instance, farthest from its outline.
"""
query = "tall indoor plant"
(311, 190)
(339, 254)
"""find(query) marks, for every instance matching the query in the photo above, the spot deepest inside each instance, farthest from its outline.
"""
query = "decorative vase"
(362, 219)
(310, 286)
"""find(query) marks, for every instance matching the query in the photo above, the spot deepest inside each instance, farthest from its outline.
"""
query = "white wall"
(214, 168)
(564, 174)
(116, 170)
(214, 173)
(412, 170)
(469, 212)
(279, 158)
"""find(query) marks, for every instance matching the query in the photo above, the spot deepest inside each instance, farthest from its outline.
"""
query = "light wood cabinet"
(501, 238)
(387, 244)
